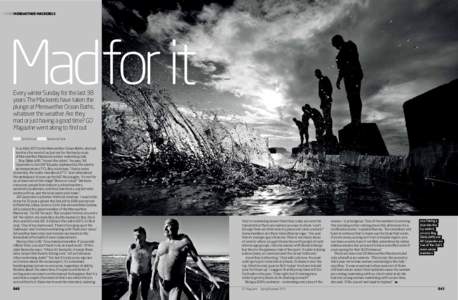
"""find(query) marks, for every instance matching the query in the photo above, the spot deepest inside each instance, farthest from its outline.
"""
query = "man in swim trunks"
(170, 262)
(138, 264)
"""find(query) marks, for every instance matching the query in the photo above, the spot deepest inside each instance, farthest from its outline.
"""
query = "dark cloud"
(132, 15)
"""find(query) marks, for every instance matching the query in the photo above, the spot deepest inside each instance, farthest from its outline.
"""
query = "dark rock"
(316, 147)
(328, 145)
(331, 145)
(431, 121)
(364, 139)
(296, 150)
(281, 150)
(432, 117)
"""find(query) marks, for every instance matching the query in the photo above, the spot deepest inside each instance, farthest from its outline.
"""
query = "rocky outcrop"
(331, 144)
(279, 150)
(431, 118)
(364, 139)
(431, 121)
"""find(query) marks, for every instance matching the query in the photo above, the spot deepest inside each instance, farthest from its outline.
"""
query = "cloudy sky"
(255, 59)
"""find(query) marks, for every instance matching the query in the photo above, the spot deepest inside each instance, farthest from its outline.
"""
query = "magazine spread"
(229, 149)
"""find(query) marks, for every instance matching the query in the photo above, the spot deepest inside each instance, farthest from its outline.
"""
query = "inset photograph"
(165, 258)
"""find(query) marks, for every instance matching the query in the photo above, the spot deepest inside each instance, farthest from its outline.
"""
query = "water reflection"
(332, 191)
(328, 191)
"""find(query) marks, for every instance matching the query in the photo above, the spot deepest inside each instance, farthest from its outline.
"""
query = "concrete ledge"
(364, 139)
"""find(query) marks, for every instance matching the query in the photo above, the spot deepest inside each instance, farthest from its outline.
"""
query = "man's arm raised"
(201, 264)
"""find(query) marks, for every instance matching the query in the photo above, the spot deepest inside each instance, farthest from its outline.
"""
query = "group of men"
(165, 260)
(351, 72)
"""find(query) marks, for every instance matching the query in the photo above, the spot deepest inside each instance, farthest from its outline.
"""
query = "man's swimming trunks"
(168, 285)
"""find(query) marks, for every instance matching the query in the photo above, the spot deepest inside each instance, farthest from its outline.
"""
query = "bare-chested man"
(170, 262)
(138, 264)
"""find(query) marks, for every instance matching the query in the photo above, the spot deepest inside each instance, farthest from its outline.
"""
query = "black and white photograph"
(261, 107)
(166, 258)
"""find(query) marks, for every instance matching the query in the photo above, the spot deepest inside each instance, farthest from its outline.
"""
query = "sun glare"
(271, 99)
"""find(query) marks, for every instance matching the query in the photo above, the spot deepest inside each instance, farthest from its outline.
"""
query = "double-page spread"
(230, 149)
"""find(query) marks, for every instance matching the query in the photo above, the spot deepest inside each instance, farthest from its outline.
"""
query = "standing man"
(138, 264)
(303, 132)
(300, 128)
(325, 94)
(305, 125)
(170, 262)
(318, 121)
(350, 71)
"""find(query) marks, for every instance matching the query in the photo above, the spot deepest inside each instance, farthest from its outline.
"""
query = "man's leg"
(327, 118)
(133, 286)
(357, 104)
(353, 89)
(319, 133)
(145, 283)
(162, 292)
(175, 293)
(306, 134)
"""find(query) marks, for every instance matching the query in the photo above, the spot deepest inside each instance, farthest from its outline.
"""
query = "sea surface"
(335, 190)
(331, 191)
(114, 282)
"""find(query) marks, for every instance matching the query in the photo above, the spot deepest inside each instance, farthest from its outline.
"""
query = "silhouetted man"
(305, 124)
(350, 71)
(170, 262)
(303, 132)
(325, 94)
(138, 264)
(318, 121)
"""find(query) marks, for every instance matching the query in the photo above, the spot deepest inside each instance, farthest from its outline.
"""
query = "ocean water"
(328, 191)
(331, 191)
(114, 283)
